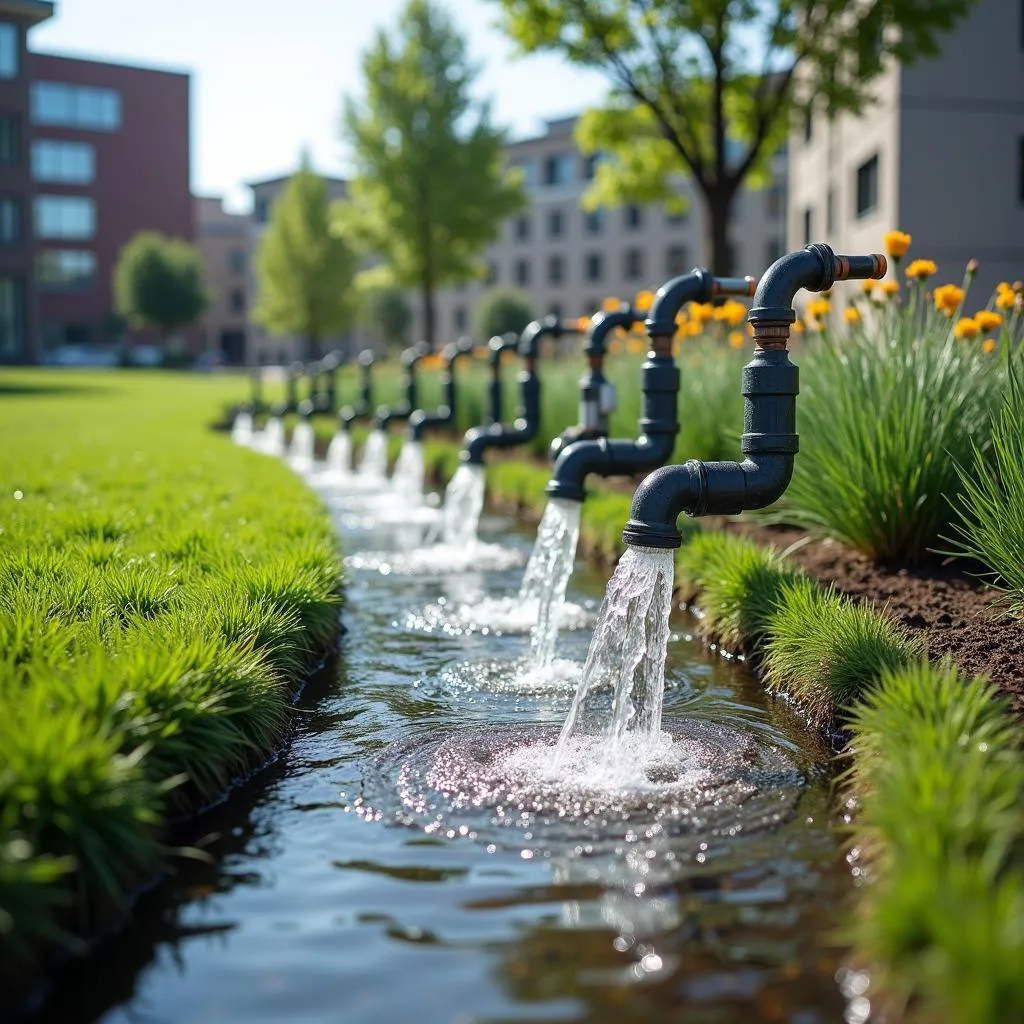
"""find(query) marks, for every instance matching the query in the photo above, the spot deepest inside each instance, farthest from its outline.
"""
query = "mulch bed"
(952, 609)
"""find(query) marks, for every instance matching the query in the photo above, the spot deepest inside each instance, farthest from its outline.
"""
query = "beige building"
(568, 260)
(263, 347)
(223, 241)
(941, 155)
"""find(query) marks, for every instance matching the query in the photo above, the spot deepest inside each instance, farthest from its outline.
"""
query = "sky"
(268, 76)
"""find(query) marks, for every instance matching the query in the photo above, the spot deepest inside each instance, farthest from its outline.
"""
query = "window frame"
(61, 147)
(57, 287)
(86, 203)
(870, 169)
(14, 35)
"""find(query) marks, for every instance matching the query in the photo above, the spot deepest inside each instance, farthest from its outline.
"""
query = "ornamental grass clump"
(939, 779)
(889, 406)
(162, 592)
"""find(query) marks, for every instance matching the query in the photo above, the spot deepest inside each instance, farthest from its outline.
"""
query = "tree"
(305, 269)
(430, 190)
(710, 88)
(502, 310)
(385, 313)
(158, 282)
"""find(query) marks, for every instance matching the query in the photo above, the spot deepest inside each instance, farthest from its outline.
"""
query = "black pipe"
(388, 414)
(327, 393)
(770, 386)
(421, 419)
(527, 421)
(291, 395)
(498, 345)
(256, 389)
(313, 371)
(361, 408)
(659, 386)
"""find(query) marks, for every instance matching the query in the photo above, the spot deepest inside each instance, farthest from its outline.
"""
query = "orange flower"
(643, 301)
(988, 346)
(987, 320)
(736, 339)
(797, 327)
(610, 304)
(636, 346)
(896, 244)
(947, 298)
(889, 288)
(818, 308)
(1005, 295)
(966, 328)
(701, 311)
(868, 286)
(680, 318)
(582, 324)
(922, 269)
(851, 315)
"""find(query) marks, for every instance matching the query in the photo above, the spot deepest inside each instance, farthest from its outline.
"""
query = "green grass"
(161, 592)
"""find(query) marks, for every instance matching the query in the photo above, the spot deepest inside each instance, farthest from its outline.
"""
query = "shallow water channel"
(325, 901)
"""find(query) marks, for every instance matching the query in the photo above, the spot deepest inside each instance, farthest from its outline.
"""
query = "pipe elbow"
(474, 444)
(657, 504)
(529, 341)
(602, 324)
(696, 286)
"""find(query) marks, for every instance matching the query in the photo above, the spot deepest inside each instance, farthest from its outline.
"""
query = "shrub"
(502, 310)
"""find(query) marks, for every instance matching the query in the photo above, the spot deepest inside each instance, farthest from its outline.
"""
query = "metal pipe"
(770, 386)
(388, 414)
(363, 405)
(327, 395)
(527, 421)
(498, 345)
(291, 395)
(659, 386)
(421, 419)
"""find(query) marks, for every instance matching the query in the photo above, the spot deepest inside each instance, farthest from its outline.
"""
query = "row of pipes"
(769, 385)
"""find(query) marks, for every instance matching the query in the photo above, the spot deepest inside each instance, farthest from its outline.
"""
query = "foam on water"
(501, 616)
(512, 675)
(241, 429)
(439, 559)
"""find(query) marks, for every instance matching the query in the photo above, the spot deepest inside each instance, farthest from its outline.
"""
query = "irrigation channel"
(424, 852)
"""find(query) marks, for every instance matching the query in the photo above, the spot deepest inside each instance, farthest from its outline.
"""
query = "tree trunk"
(717, 206)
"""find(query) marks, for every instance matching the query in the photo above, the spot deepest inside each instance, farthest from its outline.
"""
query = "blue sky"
(269, 75)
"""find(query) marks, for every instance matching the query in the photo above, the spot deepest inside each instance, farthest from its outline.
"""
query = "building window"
(65, 270)
(65, 217)
(12, 317)
(594, 222)
(237, 301)
(10, 220)
(459, 318)
(634, 217)
(236, 261)
(590, 165)
(261, 211)
(558, 169)
(593, 266)
(492, 272)
(522, 273)
(10, 139)
(76, 106)
(808, 225)
(633, 267)
(555, 223)
(773, 202)
(9, 43)
(677, 260)
(529, 169)
(867, 186)
(808, 125)
(522, 229)
(677, 217)
(830, 212)
(772, 251)
(555, 269)
(71, 163)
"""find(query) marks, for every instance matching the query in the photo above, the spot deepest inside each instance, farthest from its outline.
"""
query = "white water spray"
(407, 479)
(463, 504)
(300, 451)
(241, 429)
(272, 440)
(374, 462)
(339, 454)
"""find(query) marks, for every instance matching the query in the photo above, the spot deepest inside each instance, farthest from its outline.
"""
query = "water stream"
(271, 439)
(300, 451)
(373, 465)
(408, 477)
(339, 455)
(241, 428)
(413, 856)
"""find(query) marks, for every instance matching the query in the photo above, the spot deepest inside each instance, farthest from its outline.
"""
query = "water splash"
(300, 451)
(374, 462)
(339, 454)
(272, 439)
(463, 504)
(241, 429)
(626, 661)
(407, 479)
(547, 577)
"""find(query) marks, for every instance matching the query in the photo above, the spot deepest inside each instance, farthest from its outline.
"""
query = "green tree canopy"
(709, 88)
(305, 269)
(158, 282)
(385, 313)
(502, 310)
(430, 190)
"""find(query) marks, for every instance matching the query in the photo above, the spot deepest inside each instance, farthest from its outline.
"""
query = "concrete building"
(568, 260)
(262, 347)
(941, 155)
(223, 239)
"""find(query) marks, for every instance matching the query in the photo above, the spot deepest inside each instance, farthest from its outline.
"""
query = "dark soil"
(952, 609)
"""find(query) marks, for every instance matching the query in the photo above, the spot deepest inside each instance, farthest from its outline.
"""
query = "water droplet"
(651, 963)
(18, 495)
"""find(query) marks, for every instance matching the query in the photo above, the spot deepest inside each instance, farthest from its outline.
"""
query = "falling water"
(463, 503)
(300, 451)
(627, 660)
(408, 477)
(339, 454)
(547, 576)
(241, 429)
(273, 436)
(374, 463)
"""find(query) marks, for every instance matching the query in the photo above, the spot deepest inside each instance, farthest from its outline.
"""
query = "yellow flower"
(966, 328)
(818, 308)
(702, 312)
(610, 304)
(735, 312)
(921, 269)
(636, 346)
(680, 318)
(987, 320)
(868, 286)
(988, 346)
(797, 327)
(736, 339)
(432, 361)
(896, 244)
(582, 324)
(889, 288)
(1005, 295)
(694, 329)
(481, 352)
(643, 301)
(947, 298)
(851, 315)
